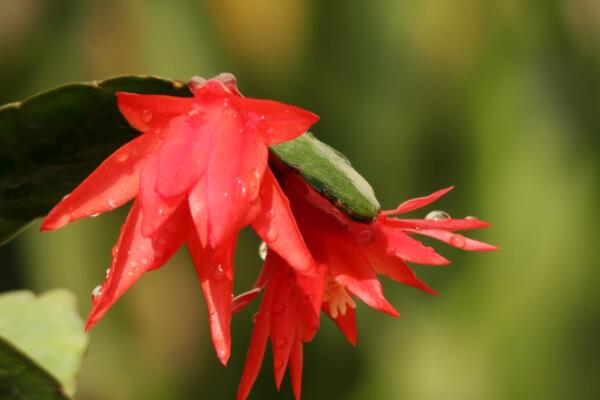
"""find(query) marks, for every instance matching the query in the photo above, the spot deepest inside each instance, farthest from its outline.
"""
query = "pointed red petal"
(456, 240)
(236, 164)
(184, 153)
(112, 184)
(399, 244)
(144, 112)
(414, 204)
(276, 225)
(215, 271)
(346, 323)
(156, 208)
(352, 270)
(447, 225)
(397, 270)
(256, 354)
(135, 254)
(197, 204)
(242, 300)
(296, 361)
(277, 122)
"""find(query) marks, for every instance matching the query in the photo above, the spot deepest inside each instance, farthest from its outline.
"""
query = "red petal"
(456, 240)
(447, 225)
(352, 270)
(414, 204)
(346, 322)
(277, 122)
(399, 244)
(112, 184)
(147, 111)
(156, 208)
(256, 354)
(397, 270)
(183, 155)
(135, 254)
(215, 271)
(296, 360)
(242, 300)
(234, 172)
(276, 225)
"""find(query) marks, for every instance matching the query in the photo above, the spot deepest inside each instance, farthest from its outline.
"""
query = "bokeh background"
(498, 97)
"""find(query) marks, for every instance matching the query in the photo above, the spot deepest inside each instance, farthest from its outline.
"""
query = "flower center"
(337, 297)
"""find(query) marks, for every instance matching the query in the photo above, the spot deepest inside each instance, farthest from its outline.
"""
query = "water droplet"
(112, 203)
(226, 194)
(218, 273)
(279, 308)
(94, 215)
(262, 251)
(146, 116)
(366, 237)
(122, 157)
(243, 188)
(272, 235)
(161, 211)
(115, 251)
(471, 218)
(132, 264)
(96, 292)
(144, 261)
(438, 215)
(107, 273)
(280, 342)
(221, 352)
(458, 241)
(256, 317)
(211, 308)
(66, 196)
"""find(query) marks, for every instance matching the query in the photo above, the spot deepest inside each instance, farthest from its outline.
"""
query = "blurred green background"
(500, 98)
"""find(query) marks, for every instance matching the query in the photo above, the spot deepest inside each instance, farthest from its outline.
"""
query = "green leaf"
(49, 331)
(330, 172)
(50, 142)
(22, 378)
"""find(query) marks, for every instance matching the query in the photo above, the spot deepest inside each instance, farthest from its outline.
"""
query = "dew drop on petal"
(66, 196)
(211, 308)
(256, 317)
(96, 292)
(262, 251)
(132, 264)
(471, 218)
(272, 235)
(458, 241)
(366, 238)
(112, 203)
(107, 273)
(438, 215)
(94, 215)
(122, 157)
(146, 116)
(218, 273)
(144, 261)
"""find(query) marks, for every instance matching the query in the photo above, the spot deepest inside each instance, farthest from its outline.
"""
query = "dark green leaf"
(50, 142)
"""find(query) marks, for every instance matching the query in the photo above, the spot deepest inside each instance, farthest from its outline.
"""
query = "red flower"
(198, 173)
(349, 255)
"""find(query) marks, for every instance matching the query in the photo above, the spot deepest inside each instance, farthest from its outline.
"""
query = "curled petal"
(144, 112)
(112, 184)
(277, 122)
(419, 202)
(135, 254)
(397, 270)
(276, 225)
(456, 240)
(215, 272)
